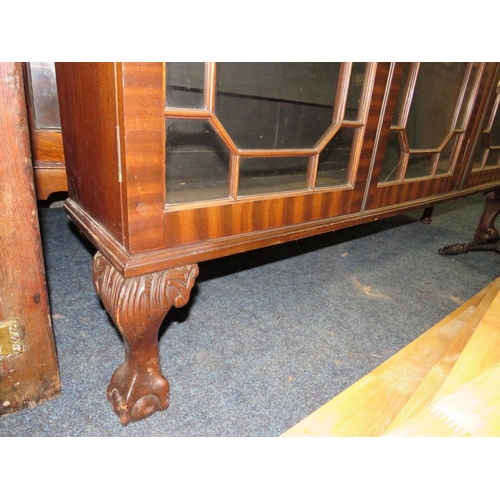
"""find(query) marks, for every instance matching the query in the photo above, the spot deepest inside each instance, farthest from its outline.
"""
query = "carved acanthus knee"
(138, 306)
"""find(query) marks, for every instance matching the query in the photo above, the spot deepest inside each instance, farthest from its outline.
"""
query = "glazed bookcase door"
(483, 156)
(252, 147)
(427, 108)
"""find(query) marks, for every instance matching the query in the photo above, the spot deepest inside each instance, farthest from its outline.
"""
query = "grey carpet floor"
(268, 336)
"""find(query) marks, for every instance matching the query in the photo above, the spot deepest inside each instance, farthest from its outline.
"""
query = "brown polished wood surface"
(92, 154)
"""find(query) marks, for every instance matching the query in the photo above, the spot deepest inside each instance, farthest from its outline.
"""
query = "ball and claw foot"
(135, 395)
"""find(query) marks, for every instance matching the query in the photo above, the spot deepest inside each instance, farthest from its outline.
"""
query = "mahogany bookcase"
(172, 164)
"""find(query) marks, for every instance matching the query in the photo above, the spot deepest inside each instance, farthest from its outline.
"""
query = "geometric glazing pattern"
(487, 151)
(429, 120)
(272, 127)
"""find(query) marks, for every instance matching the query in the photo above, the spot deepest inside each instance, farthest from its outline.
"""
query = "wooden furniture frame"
(114, 116)
(45, 131)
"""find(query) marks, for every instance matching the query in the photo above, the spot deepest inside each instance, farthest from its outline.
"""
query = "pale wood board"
(481, 352)
(433, 381)
(368, 406)
(473, 410)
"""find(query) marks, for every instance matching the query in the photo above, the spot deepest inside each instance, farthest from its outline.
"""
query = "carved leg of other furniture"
(486, 230)
(486, 236)
(427, 215)
(138, 306)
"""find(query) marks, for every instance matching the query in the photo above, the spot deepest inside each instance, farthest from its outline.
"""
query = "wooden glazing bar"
(359, 133)
(352, 124)
(461, 96)
(357, 145)
(342, 90)
(366, 94)
(460, 127)
(328, 135)
(378, 133)
(210, 87)
(219, 128)
(412, 80)
(277, 152)
(401, 173)
(432, 150)
(434, 164)
(234, 175)
(196, 114)
(312, 172)
(454, 156)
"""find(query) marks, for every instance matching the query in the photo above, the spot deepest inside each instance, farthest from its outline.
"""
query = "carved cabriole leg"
(138, 306)
(486, 229)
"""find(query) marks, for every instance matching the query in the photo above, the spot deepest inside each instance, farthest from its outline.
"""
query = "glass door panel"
(428, 106)
(284, 127)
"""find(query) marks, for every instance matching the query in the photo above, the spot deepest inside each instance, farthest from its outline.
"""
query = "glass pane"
(479, 155)
(434, 103)
(393, 158)
(444, 162)
(493, 159)
(470, 84)
(495, 129)
(419, 166)
(197, 162)
(185, 84)
(44, 95)
(355, 90)
(333, 166)
(272, 175)
(398, 111)
(276, 105)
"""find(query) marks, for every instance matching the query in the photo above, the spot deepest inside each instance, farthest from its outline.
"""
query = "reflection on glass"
(444, 161)
(197, 162)
(333, 166)
(419, 165)
(434, 102)
(355, 90)
(276, 105)
(272, 175)
(393, 158)
(44, 95)
(185, 84)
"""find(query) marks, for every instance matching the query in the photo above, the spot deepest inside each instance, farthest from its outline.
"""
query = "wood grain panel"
(30, 375)
(51, 178)
(141, 106)
(87, 103)
(47, 146)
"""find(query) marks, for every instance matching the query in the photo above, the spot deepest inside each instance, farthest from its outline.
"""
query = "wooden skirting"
(444, 383)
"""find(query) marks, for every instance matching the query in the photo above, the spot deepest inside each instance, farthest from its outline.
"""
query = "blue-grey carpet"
(268, 336)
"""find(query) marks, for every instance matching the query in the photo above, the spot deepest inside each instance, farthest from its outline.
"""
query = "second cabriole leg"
(138, 306)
